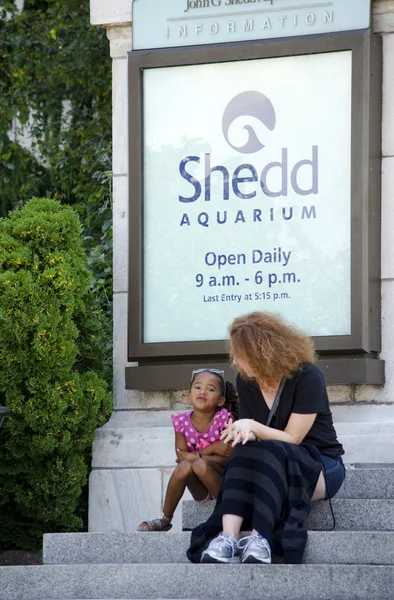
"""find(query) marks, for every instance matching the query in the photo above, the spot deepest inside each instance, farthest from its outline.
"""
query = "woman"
(286, 450)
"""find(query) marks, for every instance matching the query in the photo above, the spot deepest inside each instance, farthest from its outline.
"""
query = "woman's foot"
(255, 549)
(161, 523)
(222, 549)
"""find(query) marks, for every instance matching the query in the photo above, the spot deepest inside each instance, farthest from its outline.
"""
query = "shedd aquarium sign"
(247, 195)
(173, 23)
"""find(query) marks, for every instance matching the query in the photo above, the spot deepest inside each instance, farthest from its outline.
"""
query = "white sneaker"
(222, 549)
(255, 549)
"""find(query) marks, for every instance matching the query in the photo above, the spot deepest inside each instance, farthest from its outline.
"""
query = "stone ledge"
(249, 582)
(125, 443)
(110, 12)
(383, 16)
(323, 547)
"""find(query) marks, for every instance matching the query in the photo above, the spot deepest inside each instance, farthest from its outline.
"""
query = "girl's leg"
(210, 475)
(175, 490)
(182, 476)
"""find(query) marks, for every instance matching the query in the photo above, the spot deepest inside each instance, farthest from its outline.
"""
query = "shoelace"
(245, 542)
(223, 541)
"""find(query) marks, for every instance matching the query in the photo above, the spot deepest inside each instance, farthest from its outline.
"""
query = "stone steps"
(365, 502)
(249, 582)
(350, 514)
(326, 547)
(368, 481)
(353, 562)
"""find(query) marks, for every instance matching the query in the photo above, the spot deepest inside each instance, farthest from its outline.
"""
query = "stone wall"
(133, 454)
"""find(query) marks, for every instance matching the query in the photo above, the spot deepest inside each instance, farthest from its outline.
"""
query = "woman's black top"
(304, 393)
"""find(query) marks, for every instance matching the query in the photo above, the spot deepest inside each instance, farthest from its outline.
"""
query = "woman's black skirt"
(270, 484)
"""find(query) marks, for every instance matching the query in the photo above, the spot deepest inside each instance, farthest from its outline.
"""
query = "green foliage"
(55, 87)
(49, 54)
(50, 343)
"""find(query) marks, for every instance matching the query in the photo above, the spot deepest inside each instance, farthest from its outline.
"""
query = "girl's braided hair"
(231, 404)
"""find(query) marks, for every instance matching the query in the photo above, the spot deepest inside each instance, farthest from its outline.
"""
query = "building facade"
(133, 454)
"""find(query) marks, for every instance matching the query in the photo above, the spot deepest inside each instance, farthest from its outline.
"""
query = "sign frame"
(365, 337)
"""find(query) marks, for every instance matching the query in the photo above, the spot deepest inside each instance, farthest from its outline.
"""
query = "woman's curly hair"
(270, 347)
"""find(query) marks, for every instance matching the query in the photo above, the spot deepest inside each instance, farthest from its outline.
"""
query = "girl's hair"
(227, 389)
(270, 347)
(231, 403)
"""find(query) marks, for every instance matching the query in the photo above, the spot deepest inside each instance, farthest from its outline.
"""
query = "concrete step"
(368, 481)
(249, 582)
(350, 514)
(324, 547)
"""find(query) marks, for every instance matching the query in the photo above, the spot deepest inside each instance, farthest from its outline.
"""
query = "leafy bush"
(55, 86)
(50, 354)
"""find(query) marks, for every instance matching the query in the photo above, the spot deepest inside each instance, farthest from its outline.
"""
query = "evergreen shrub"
(50, 330)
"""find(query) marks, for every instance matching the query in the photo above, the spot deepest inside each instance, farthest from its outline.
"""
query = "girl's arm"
(215, 459)
(180, 442)
(218, 449)
(182, 451)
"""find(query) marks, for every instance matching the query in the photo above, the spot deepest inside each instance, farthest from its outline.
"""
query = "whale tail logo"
(253, 104)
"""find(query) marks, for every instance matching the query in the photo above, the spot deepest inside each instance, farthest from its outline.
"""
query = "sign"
(174, 23)
(247, 195)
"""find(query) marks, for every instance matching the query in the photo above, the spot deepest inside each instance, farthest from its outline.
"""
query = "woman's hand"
(239, 432)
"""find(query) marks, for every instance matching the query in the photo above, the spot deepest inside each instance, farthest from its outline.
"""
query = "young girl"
(201, 456)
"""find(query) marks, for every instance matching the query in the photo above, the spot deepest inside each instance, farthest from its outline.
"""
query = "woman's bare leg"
(232, 525)
(320, 492)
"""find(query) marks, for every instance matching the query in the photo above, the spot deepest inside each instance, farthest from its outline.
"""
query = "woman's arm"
(294, 433)
(245, 430)
(310, 398)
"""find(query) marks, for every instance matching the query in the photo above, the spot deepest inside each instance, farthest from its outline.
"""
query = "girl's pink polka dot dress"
(195, 440)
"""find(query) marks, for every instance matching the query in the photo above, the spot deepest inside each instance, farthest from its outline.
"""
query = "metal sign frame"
(365, 337)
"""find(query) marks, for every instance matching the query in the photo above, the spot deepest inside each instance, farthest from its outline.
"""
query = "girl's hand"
(188, 456)
(240, 432)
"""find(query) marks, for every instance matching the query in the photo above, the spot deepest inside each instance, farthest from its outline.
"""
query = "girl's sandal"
(162, 523)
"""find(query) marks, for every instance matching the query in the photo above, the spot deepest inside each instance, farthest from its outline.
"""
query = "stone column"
(133, 453)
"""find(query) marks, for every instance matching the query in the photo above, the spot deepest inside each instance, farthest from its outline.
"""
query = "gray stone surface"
(119, 500)
(331, 547)
(353, 514)
(140, 447)
(246, 582)
(366, 481)
(349, 514)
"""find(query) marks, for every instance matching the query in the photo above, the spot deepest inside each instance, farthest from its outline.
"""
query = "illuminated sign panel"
(247, 195)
